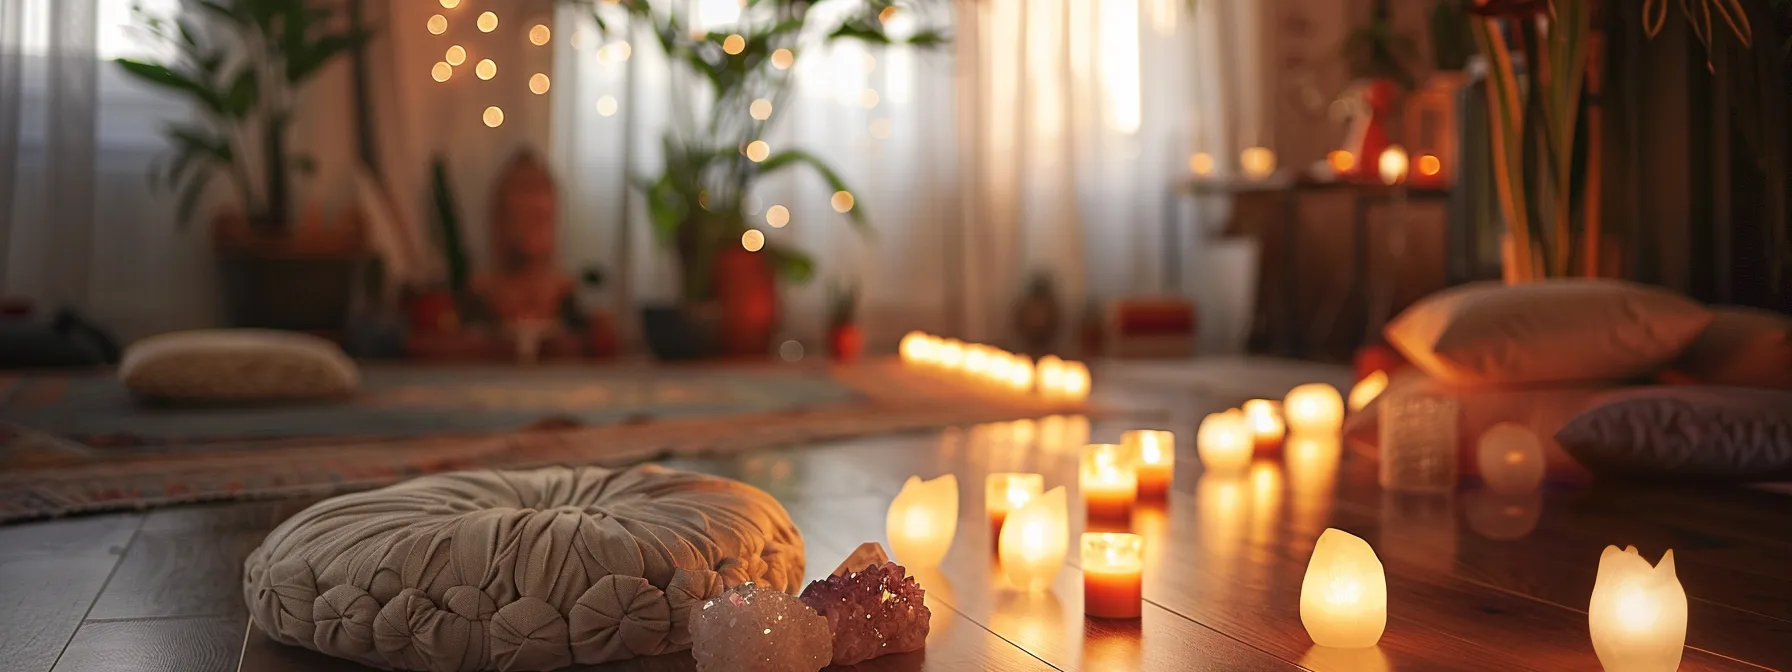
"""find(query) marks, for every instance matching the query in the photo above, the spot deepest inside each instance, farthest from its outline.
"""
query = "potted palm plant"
(242, 64)
(728, 290)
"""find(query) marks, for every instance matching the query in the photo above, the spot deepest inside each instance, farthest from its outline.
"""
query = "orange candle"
(1156, 450)
(1003, 493)
(1113, 565)
(1265, 420)
(1110, 481)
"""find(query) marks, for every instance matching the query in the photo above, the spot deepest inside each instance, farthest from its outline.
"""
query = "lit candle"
(1020, 373)
(977, 362)
(1344, 596)
(949, 355)
(922, 520)
(1049, 373)
(1265, 421)
(1393, 165)
(1510, 458)
(1367, 389)
(1110, 481)
(1257, 162)
(1112, 568)
(1315, 408)
(1035, 540)
(1003, 493)
(1224, 442)
(915, 349)
(1156, 450)
(1075, 381)
(1638, 612)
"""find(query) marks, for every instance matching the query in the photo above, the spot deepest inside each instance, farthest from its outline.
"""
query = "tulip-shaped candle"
(1112, 566)
(1344, 597)
(1314, 408)
(1367, 389)
(1003, 493)
(1035, 540)
(1638, 613)
(1224, 442)
(1266, 424)
(922, 520)
(1156, 451)
(1110, 481)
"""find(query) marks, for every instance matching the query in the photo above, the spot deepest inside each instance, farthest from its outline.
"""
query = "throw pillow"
(1743, 347)
(236, 365)
(1686, 433)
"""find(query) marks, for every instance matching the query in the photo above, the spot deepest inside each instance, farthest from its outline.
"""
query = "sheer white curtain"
(79, 225)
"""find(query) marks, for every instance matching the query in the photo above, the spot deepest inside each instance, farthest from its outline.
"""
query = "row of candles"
(1637, 614)
(1050, 377)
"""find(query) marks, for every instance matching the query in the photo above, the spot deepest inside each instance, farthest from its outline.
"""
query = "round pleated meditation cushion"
(516, 570)
(237, 365)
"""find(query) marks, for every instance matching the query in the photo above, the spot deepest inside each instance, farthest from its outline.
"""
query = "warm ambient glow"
(1344, 597)
(441, 71)
(1004, 493)
(606, 106)
(1392, 165)
(777, 216)
(1265, 421)
(615, 52)
(540, 34)
(882, 128)
(1224, 442)
(1367, 389)
(1113, 565)
(1156, 452)
(753, 240)
(757, 150)
(494, 116)
(1109, 479)
(916, 349)
(486, 69)
(538, 83)
(450, 4)
(842, 201)
(887, 13)
(1510, 457)
(1035, 540)
(1257, 162)
(734, 44)
(1313, 407)
(761, 109)
(456, 55)
(1638, 613)
(1073, 382)
(1200, 163)
(1341, 161)
(438, 24)
(782, 59)
(488, 22)
(1429, 165)
(922, 520)
(868, 99)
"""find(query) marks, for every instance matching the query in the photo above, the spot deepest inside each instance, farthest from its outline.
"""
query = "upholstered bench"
(516, 570)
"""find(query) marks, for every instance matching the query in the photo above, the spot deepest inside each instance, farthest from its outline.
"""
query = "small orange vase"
(747, 291)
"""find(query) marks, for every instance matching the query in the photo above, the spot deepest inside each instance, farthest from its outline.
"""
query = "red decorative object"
(747, 291)
(846, 342)
(433, 311)
(1368, 135)
(601, 336)
(1372, 358)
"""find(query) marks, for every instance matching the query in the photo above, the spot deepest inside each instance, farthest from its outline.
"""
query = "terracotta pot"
(746, 289)
(846, 342)
(302, 280)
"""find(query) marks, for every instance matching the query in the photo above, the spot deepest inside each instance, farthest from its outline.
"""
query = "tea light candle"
(1367, 389)
(1510, 457)
(949, 355)
(1638, 613)
(1224, 442)
(1156, 450)
(1344, 596)
(1110, 481)
(1266, 425)
(922, 520)
(1314, 408)
(1113, 565)
(1073, 381)
(1003, 493)
(914, 349)
(1035, 540)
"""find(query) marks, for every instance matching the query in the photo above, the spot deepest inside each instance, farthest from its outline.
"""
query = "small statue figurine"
(524, 295)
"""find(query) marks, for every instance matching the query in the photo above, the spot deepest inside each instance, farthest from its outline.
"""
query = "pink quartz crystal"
(748, 629)
(873, 612)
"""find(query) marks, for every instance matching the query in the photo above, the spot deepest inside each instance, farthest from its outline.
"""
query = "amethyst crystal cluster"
(873, 612)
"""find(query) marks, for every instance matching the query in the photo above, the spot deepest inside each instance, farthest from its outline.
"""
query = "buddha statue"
(523, 293)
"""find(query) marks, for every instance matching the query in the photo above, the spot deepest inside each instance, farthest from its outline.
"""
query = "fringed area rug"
(78, 442)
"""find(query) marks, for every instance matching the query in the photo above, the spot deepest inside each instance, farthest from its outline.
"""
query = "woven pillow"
(516, 570)
(237, 365)
(1742, 347)
(1686, 433)
(1546, 332)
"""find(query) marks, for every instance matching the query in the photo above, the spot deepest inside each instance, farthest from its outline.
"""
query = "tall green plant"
(1378, 50)
(696, 199)
(241, 64)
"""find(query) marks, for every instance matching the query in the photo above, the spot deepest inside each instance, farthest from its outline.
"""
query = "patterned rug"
(78, 442)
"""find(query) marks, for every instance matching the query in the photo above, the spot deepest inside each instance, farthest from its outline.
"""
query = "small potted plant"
(845, 340)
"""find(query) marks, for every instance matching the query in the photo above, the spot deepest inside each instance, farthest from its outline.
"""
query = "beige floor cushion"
(237, 365)
(516, 570)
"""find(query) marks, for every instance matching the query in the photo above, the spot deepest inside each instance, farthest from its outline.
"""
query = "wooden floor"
(1475, 581)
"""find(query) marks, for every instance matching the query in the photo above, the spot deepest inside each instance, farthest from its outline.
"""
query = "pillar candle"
(1003, 493)
(1344, 596)
(1313, 408)
(922, 520)
(1638, 613)
(1035, 540)
(1224, 442)
(1113, 565)
(1156, 451)
(1265, 421)
(1110, 481)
